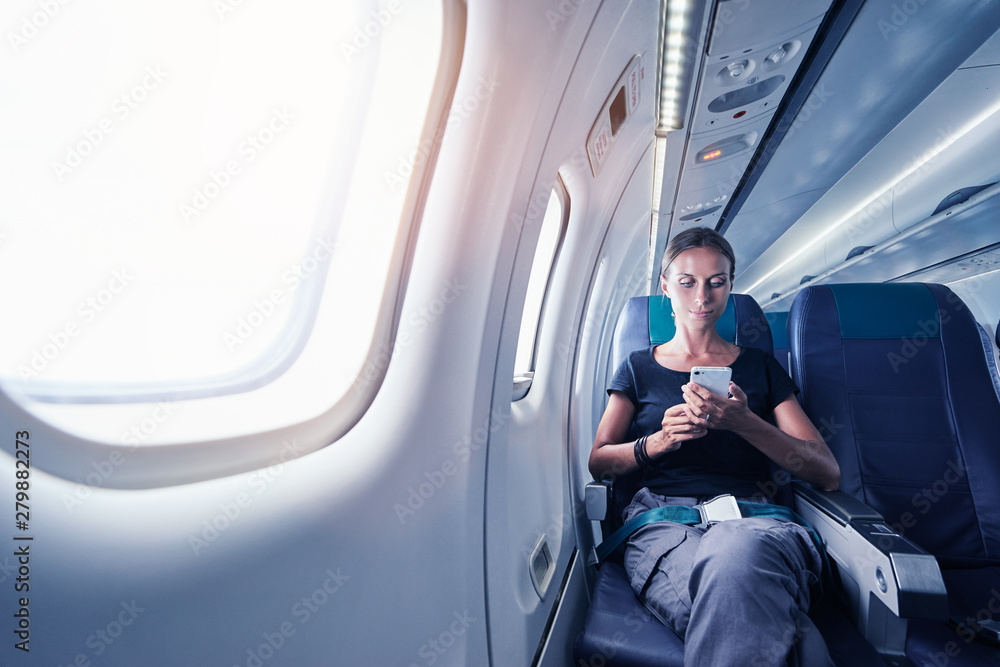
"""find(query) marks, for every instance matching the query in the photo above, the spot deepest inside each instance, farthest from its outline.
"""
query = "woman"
(737, 592)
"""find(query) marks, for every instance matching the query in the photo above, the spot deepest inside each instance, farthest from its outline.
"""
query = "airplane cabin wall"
(371, 550)
(532, 494)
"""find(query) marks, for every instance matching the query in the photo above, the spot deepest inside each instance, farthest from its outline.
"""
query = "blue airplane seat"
(618, 630)
(647, 320)
(899, 369)
(779, 335)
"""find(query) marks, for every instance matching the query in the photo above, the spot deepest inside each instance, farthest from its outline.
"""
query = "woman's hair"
(698, 237)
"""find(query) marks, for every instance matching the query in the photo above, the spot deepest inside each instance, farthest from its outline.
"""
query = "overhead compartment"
(939, 154)
(970, 161)
(873, 82)
(871, 225)
(909, 227)
(951, 179)
(953, 161)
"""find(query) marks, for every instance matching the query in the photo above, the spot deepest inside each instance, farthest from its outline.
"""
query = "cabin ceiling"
(879, 116)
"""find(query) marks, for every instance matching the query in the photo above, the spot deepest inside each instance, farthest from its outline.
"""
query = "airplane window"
(195, 191)
(551, 233)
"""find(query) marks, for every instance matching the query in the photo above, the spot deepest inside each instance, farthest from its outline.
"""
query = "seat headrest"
(647, 320)
(886, 310)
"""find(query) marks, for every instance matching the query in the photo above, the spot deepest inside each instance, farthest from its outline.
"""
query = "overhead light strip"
(675, 69)
(659, 158)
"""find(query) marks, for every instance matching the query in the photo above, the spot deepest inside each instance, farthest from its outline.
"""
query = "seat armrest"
(903, 576)
(836, 504)
(885, 577)
(597, 499)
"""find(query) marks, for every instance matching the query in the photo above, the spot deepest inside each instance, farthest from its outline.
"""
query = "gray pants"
(736, 593)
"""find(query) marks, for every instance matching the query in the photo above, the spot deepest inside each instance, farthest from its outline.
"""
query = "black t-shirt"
(720, 461)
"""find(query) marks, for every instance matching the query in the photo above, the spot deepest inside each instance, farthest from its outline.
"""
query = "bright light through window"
(545, 254)
(191, 188)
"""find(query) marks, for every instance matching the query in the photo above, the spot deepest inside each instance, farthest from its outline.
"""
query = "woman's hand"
(677, 426)
(711, 411)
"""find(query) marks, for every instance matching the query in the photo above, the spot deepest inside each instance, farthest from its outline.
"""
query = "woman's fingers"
(678, 420)
(699, 400)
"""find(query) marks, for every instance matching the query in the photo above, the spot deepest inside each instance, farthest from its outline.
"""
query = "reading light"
(777, 56)
(780, 56)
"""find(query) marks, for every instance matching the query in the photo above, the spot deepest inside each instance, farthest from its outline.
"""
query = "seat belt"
(720, 508)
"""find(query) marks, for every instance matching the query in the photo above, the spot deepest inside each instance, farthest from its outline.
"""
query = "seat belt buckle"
(719, 508)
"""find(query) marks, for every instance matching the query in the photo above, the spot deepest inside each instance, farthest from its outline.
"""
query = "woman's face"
(698, 285)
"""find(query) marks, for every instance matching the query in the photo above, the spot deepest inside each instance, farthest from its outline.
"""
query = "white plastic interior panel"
(967, 266)
(726, 170)
(763, 20)
(670, 149)
(988, 53)
(850, 103)
(701, 208)
(529, 482)
(750, 80)
(618, 108)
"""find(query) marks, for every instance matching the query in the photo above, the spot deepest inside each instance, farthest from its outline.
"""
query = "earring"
(672, 314)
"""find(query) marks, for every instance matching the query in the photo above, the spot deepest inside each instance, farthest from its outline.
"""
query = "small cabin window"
(553, 228)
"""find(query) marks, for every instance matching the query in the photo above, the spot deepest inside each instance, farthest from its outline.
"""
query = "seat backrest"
(646, 320)
(779, 336)
(895, 377)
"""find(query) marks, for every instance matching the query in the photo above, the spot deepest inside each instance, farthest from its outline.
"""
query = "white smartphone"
(714, 378)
